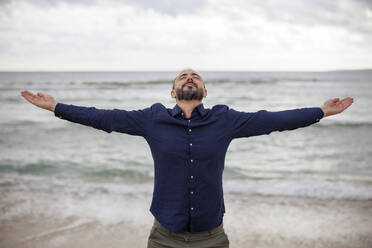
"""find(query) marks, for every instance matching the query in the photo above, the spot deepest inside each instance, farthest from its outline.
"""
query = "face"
(188, 85)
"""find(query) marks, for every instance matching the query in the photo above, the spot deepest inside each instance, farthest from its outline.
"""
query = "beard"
(188, 93)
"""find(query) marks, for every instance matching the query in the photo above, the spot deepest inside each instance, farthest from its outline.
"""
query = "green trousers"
(160, 237)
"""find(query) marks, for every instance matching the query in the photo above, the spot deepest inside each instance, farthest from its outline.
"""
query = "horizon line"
(141, 70)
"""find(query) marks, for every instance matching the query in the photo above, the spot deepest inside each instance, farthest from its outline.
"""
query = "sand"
(250, 221)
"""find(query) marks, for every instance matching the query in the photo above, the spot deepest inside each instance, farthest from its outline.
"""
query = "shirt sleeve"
(246, 124)
(132, 122)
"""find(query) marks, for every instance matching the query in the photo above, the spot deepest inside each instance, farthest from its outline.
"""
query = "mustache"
(190, 83)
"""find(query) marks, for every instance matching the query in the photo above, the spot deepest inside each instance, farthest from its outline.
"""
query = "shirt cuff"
(59, 109)
(320, 114)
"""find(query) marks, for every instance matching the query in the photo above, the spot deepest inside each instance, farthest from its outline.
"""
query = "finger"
(335, 100)
(29, 96)
(39, 94)
(347, 100)
(345, 103)
(30, 99)
(342, 102)
(345, 106)
(27, 93)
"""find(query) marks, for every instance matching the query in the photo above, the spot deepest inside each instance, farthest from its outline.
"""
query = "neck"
(188, 106)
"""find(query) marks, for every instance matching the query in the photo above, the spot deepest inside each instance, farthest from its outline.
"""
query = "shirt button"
(190, 144)
(189, 130)
(189, 120)
(192, 192)
(191, 160)
(191, 177)
(192, 208)
(181, 113)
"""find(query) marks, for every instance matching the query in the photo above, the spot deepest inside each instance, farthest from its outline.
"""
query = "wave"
(125, 175)
(321, 188)
(301, 188)
(129, 83)
(45, 85)
(168, 82)
(89, 174)
(125, 78)
(30, 169)
(25, 123)
(255, 81)
(343, 124)
(14, 124)
(48, 85)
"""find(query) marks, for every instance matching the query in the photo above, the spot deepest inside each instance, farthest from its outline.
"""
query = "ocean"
(63, 184)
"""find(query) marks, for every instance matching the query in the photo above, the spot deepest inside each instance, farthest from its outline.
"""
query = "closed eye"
(195, 75)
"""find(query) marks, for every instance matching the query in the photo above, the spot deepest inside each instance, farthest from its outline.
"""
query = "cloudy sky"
(171, 35)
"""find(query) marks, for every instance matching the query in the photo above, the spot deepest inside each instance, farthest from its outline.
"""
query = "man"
(188, 144)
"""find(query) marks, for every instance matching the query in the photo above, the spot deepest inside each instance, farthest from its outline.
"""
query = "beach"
(262, 221)
(63, 184)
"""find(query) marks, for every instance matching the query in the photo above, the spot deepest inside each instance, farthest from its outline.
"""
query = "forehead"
(189, 71)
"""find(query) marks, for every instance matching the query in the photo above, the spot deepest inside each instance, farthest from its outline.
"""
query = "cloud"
(170, 7)
(161, 35)
(345, 14)
(167, 7)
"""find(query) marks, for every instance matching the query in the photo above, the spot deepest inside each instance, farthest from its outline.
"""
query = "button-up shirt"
(189, 153)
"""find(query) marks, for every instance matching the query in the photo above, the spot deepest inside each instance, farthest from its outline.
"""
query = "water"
(74, 170)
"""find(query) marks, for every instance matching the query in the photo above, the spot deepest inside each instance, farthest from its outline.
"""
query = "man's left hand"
(336, 106)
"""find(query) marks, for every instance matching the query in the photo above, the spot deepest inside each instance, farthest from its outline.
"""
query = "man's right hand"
(41, 100)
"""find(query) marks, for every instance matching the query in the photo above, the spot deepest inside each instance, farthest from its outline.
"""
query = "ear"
(205, 92)
(173, 94)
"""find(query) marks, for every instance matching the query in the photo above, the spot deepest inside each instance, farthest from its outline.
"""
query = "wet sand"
(250, 221)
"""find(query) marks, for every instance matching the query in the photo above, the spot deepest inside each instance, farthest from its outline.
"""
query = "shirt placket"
(192, 163)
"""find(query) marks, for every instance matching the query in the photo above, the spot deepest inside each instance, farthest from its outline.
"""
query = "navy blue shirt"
(189, 154)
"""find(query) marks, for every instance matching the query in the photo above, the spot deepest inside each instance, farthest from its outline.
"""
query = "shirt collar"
(177, 110)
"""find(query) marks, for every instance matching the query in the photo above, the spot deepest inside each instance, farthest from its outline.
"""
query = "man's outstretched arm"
(246, 124)
(132, 122)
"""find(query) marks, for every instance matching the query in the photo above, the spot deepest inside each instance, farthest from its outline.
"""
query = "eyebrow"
(183, 74)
